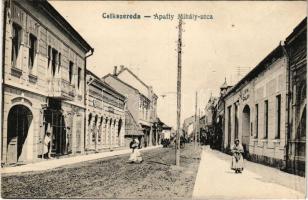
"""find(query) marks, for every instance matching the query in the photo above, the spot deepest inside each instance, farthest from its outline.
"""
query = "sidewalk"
(215, 179)
(54, 163)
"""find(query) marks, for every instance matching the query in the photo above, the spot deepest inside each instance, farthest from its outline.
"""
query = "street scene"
(159, 100)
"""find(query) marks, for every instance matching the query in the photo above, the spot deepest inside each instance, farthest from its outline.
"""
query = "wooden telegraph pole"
(199, 130)
(179, 82)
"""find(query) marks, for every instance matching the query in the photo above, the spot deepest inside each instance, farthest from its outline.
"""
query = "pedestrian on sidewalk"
(237, 159)
(135, 156)
(47, 140)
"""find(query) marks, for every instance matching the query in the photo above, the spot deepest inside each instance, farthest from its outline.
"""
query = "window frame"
(79, 77)
(266, 107)
(16, 40)
(257, 120)
(32, 52)
(71, 72)
(278, 117)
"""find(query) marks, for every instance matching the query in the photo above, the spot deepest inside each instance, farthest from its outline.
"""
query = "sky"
(238, 37)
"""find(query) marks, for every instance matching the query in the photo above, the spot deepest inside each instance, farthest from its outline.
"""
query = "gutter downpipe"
(6, 7)
(288, 101)
(85, 99)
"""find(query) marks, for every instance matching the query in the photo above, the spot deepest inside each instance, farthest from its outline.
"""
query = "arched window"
(101, 121)
(94, 129)
(119, 127)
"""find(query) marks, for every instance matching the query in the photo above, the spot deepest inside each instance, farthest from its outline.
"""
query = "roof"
(297, 30)
(132, 128)
(65, 25)
(115, 77)
(128, 70)
(104, 84)
(134, 75)
(278, 51)
(164, 127)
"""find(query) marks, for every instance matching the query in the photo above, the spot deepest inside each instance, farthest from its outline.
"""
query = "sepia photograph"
(153, 99)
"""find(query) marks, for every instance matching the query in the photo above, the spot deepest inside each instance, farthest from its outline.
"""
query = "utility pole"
(195, 132)
(179, 82)
(199, 131)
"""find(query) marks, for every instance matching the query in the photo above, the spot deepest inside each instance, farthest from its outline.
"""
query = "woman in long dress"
(135, 156)
(237, 159)
(47, 140)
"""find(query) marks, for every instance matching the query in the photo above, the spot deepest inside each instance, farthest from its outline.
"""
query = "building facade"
(255, 111)
(296, 50)
(44, 67)
(266, 110)
(219, 117)
(141, 101)
(105, 115)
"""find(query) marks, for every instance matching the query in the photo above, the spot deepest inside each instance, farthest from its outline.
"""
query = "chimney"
(121, 67)
(115, 70)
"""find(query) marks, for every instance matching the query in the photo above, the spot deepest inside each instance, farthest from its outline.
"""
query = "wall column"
(151, 135)
(116, 138)
(110, 132)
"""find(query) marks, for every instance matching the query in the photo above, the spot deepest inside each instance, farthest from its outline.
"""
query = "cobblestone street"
(112, 177)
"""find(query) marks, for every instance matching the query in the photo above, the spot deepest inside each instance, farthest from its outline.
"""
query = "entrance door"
(246, 128)
(19, 121)
(59, 141)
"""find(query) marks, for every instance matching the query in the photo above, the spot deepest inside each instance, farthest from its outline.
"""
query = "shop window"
(16, 42)
(32, 50)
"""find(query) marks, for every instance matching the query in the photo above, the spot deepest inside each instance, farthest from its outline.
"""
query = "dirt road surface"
(156, 177)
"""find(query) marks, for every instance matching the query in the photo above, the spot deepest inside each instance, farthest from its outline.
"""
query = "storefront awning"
(131, 127)
(130, 132)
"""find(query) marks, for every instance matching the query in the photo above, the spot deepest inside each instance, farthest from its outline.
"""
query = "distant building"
(211, 135)
(166, 132)
(209, 110)
(44, 68)
(141, 102)
(219, 113)
(188, 125)
(105, 115)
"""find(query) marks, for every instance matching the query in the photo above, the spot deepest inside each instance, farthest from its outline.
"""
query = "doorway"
(59, 141)
(19, 120)
(246, 129)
